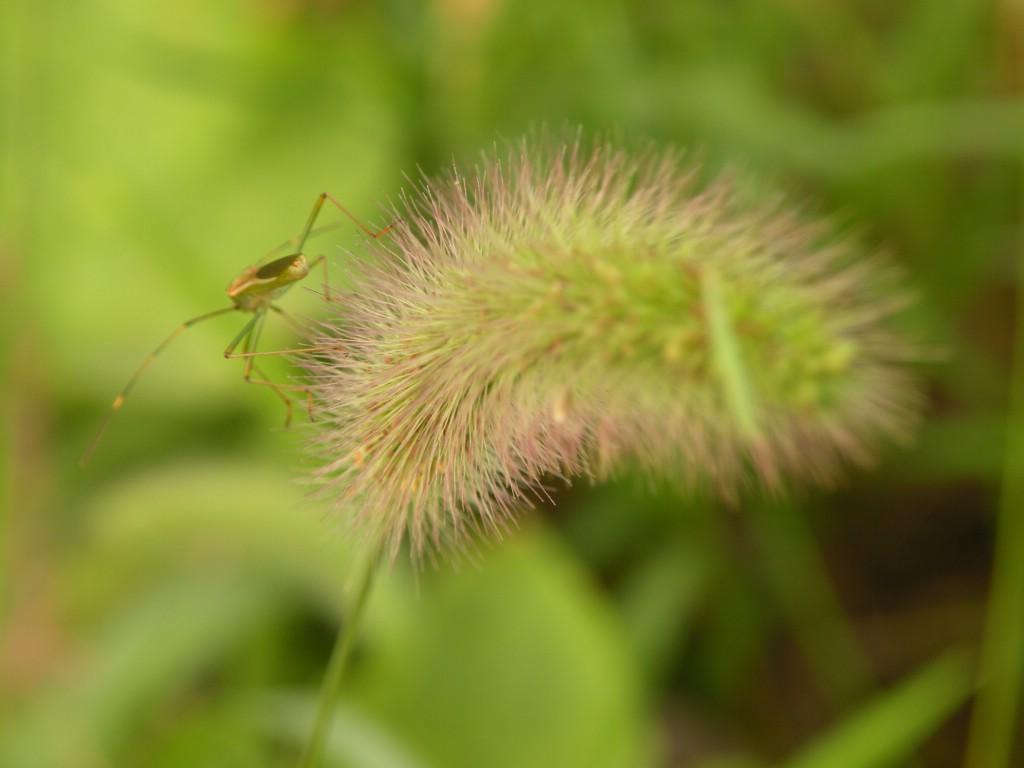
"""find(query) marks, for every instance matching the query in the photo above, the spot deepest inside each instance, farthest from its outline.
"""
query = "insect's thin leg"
(327, 288)
(280, 352)
(119, 400)
(279, 390)
(251, 340)
(297, 351)
(249, 354)
(307, 230)
(304, 235)
(343, 209)
(248, 337)
(245, 333)
(299, 241)
(264, 381)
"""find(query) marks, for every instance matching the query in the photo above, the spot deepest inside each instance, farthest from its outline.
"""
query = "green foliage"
(888, 731)
(175, 604)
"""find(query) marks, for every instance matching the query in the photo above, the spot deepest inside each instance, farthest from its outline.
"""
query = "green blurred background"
(174, 603)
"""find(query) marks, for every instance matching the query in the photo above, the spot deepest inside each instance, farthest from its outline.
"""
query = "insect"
(255, 290)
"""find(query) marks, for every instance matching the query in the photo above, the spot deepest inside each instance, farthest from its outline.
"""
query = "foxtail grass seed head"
(564, 311)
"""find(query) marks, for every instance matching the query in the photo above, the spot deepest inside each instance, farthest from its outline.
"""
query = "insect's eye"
(274, 268)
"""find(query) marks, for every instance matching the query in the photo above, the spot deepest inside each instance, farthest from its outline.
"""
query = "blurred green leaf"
(134, 663)
(514, 662)
(659, 602)
(355, 740)
(244, 517)
(896, 723)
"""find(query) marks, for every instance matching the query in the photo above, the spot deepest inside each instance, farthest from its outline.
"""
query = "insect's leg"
(343, 209)
(277, 352)
(280, 389)
(308, 229)
(327, 285)
(245, 333)
(119, 400)
(248, 337)
(297, 243)
(249, 354)
(328, 296)
(324, 196)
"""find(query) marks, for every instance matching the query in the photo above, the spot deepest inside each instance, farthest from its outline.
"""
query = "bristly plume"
(565, 311)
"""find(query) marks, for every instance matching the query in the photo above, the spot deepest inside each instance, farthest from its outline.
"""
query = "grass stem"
(995, 721)
(338, 663)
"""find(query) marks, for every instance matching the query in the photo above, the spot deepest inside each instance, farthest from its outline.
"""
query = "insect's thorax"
(257, 286)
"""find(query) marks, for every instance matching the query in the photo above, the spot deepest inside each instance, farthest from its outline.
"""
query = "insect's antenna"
(119, 400)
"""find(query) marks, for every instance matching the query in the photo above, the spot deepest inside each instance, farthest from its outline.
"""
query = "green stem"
(995, 719)
(339, 661)
(804, 590)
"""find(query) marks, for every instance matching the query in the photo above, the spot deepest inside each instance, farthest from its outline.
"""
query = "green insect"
(255, 290)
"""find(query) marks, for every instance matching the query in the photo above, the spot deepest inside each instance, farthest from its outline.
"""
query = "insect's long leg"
(278, 352)
(324, 196)
(248, 337)
(251, 339)
(327, 289)
(297, 243)
(119, 400)
(306, 230)
(245, 333)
